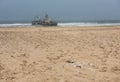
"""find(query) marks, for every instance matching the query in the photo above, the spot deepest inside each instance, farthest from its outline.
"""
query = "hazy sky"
(60, 9)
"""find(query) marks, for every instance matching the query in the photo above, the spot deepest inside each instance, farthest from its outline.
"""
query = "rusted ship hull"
(44, 24)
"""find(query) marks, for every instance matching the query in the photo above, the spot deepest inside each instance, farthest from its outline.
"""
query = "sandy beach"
(60, 54)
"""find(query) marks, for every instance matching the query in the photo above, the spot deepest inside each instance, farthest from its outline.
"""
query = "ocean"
(63, 24)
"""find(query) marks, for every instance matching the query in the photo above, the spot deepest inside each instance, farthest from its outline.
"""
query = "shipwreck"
(45, 22)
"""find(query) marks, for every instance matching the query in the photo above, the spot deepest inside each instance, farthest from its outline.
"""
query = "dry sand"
(55, 54)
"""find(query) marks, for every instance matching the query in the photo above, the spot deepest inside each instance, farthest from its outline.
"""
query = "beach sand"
(60, 54)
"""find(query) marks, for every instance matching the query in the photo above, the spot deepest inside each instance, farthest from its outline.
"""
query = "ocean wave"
(16, 24)
(63, 24)
(88, 24)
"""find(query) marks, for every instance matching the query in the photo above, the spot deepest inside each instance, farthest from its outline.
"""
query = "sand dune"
(60, 54)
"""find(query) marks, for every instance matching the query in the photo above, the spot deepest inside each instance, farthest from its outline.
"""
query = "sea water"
(62, 24)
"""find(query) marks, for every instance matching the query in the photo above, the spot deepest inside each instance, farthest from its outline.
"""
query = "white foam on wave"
(88, 24)
(63, 24)
(16, 24)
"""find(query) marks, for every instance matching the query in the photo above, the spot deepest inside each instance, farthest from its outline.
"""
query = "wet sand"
(57, 54)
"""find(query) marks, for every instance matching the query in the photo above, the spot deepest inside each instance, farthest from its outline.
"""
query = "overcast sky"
(60, 9)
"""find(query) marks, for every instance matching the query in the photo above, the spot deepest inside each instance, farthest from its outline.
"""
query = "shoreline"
(66, 24)
(59, 28)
